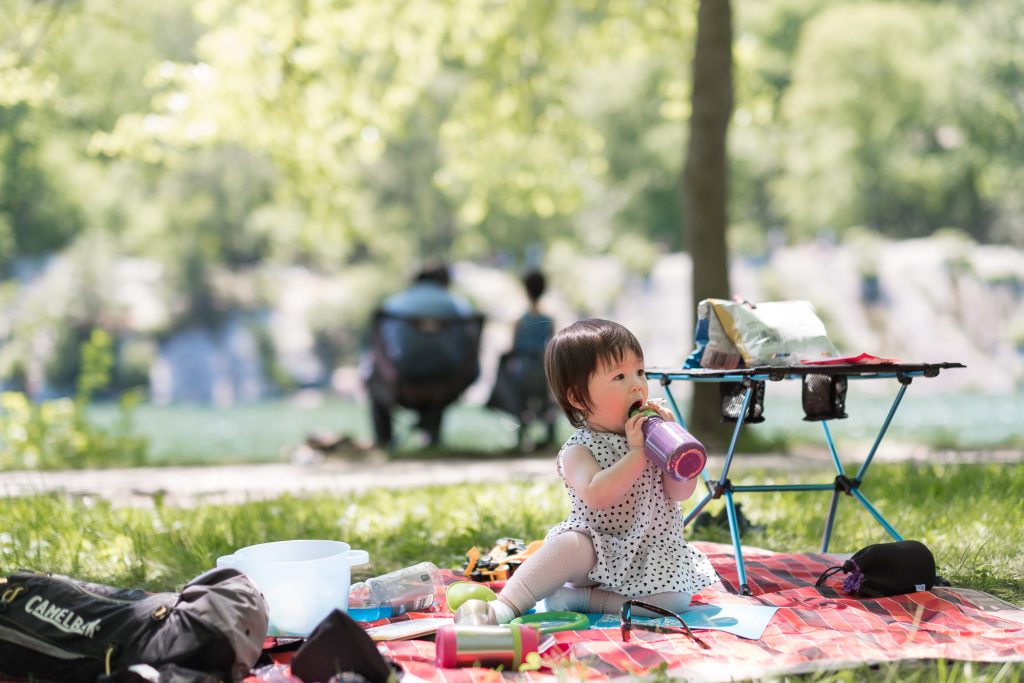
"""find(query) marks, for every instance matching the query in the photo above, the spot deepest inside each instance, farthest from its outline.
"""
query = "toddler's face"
(614, 388)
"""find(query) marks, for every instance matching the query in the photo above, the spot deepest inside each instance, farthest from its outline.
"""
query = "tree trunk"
(705, 186)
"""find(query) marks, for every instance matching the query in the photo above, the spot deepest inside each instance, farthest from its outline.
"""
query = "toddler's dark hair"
(576, 352)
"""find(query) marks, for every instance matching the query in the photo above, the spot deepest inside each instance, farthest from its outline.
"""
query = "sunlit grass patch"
(967, 514)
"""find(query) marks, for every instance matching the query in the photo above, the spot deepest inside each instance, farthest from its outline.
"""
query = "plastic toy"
(461, 591)
(552, 622)
(500, 562)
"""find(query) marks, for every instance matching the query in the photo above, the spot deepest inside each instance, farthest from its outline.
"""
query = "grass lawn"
(969, 515)
(266, 431)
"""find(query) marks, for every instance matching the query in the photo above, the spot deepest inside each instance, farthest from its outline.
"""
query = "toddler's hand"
(666, 415)
(635, 432)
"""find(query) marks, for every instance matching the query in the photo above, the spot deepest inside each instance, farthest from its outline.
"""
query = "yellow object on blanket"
(500, 562)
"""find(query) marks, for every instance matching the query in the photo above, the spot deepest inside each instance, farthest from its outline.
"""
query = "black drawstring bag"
(886, 569)
(339, 644)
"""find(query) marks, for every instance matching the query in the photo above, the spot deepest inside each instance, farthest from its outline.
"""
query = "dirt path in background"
(239, 483)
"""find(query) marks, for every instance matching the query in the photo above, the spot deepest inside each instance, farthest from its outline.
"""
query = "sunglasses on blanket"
(626, 624)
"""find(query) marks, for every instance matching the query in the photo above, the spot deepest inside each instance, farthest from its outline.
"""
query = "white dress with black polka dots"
(639, 542)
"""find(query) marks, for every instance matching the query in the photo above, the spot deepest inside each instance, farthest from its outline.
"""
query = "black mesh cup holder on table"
(732, 401)
(823, 397)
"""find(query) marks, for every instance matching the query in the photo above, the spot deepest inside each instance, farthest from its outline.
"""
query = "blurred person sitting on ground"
(520, 387)
(623, 538)
(425, 344)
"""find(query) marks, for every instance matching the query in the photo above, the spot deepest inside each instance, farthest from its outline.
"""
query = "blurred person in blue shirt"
(520, 387)
(534, 329)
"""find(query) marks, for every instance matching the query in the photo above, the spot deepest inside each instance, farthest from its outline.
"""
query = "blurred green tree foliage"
(404, 127)
(221, 133)
(873, 115)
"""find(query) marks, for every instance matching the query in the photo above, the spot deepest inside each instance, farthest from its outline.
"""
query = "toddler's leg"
(567, 557)
(606, 602)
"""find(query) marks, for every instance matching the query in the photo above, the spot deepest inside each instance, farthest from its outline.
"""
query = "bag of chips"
(731, 333)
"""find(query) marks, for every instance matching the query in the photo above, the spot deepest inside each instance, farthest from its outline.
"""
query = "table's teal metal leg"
(702, 503)
(724, 486)
(904, 383)
(855, 491)
(852, 487)
(734, 531)
(876, 514)
(840, 475)
(675, 406)
(830, 520)
(736, 433)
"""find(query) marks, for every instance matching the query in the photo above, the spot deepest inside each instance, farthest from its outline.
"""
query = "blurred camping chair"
(521, 389)
(422, 364)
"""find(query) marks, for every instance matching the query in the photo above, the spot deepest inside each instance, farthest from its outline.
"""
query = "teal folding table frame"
(904, 373)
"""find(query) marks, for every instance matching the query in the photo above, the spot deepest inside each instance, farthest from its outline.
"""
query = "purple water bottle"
(669, 446)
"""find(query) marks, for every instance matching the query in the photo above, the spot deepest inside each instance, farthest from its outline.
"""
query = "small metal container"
(468, 645)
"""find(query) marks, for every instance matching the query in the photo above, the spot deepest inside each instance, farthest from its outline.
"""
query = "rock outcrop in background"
(935, 299)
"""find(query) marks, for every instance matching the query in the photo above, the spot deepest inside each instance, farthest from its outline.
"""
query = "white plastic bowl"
(302, 580)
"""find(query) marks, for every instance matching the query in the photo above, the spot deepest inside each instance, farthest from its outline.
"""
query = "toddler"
(624, 535)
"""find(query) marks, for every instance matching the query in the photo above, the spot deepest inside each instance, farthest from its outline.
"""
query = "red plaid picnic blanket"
(814, 628)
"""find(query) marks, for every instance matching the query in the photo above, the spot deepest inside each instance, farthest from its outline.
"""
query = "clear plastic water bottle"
(411, 589)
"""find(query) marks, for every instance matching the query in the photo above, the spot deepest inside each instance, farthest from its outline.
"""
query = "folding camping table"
(751, 379)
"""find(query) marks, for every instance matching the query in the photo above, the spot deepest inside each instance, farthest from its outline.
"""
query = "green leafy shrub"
(57, 434)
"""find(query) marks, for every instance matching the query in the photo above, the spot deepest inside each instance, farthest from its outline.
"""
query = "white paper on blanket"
(774, 332)
(412, 628)
(745, 621)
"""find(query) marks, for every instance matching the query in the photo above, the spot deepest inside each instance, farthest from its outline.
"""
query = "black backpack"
(55, 628)
(886, 569)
